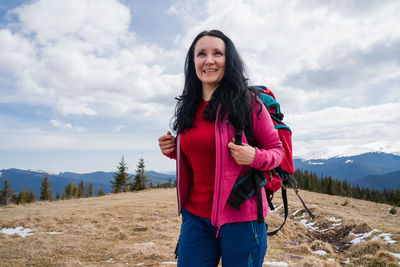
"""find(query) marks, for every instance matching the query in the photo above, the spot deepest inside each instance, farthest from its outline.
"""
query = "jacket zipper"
(218, 175)
(178, 159)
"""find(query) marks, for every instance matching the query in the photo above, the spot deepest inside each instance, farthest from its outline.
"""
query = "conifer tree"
(101, 192)
(31, 197)
(90, 191)
(140, 178)
(45, 190)
(14, 198)
(121, 178)
(70, 191)
(81, 189)
(23, 197)
(329, 186)
(5, 193)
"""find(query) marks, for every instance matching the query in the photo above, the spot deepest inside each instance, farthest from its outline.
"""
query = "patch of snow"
(321, 252)
(56, 233)
(169, 262)
(297, 211)
(333, 219)
(276, 209)
(361, 237)
(138, 264)
(333, 226)
(275, 263)
(23, 232)
(309, 225)
(397, 255)
(144, 244)
(346, 261)
(331, 259)
(1, 174)
(349, 161)
(111, 260)
(386, 236)
(315, 163)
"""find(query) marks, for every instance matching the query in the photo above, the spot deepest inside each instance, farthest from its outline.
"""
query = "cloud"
(96, 64)
(304, 47)
(58, 124)
(374, 127)
(172, 11)
(81, 58)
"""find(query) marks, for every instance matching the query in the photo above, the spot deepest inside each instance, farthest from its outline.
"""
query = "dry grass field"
(141, 229)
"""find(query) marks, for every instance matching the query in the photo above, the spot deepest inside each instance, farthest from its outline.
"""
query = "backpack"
(273, 180)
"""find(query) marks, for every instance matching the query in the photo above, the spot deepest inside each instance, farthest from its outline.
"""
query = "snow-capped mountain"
(349, 151)
(357, 168)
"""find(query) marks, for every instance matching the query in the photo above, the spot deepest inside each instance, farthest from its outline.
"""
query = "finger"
(167, 145)
(230, 145)
(165, 138)
(168, 151)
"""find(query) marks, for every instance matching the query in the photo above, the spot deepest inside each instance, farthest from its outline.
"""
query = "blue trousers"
(240, 244)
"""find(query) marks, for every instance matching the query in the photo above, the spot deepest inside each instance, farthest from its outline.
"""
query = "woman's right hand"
(167, 143)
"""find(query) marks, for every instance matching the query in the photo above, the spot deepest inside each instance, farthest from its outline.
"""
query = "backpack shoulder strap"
(285, 205)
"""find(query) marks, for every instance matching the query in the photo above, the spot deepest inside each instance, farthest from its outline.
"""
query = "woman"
(216, 100)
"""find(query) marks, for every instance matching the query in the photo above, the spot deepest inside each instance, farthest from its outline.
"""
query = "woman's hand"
(243, 154)
(167, 143)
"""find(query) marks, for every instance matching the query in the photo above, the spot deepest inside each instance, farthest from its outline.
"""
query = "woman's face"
(209, 60)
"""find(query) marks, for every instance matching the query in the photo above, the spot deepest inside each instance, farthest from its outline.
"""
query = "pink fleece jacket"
(269, 154)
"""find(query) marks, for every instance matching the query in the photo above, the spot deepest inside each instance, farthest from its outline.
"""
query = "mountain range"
(29, 179)
(377, 170)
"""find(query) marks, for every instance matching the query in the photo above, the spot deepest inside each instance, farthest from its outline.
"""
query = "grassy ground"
(133, 229)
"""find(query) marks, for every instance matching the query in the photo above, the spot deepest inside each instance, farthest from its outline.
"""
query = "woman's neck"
(208, 91)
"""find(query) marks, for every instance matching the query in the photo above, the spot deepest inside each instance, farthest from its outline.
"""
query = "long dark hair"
(232, 94)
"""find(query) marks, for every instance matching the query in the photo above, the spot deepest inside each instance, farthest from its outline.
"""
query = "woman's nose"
(209, 60)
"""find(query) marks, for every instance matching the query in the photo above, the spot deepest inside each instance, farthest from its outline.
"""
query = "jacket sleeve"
(171, 155)
(269, 150)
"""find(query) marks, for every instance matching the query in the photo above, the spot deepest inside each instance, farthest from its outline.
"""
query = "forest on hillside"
(310, 181)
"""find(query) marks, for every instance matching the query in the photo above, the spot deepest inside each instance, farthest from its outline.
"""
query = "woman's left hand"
(243, 154)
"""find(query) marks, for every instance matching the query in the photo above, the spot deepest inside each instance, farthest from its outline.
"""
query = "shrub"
(393, 210)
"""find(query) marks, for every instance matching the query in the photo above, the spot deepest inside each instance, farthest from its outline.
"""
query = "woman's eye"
(200, 54)
(218, 53)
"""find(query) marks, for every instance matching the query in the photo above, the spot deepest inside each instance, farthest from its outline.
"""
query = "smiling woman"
(210, 63)
(215, 101)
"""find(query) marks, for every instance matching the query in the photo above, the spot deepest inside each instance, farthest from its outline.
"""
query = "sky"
(84, 83)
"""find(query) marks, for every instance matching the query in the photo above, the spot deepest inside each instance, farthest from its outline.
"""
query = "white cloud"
(347, 130)
(332, 66)
(172, 11)
(295, 39)
(81, 58)
(58, 124)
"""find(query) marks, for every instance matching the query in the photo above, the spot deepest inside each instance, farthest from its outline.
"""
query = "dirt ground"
(141, 229)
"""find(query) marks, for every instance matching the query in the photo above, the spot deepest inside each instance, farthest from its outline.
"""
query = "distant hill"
(28, 179)
(377, 170)
(388, 181)
(354, 168)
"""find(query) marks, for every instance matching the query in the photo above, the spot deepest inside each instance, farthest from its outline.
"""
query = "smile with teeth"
(209, 70)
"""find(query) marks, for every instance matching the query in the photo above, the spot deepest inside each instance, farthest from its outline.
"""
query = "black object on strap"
(289, 180)
(285, 204)
(176, 248)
